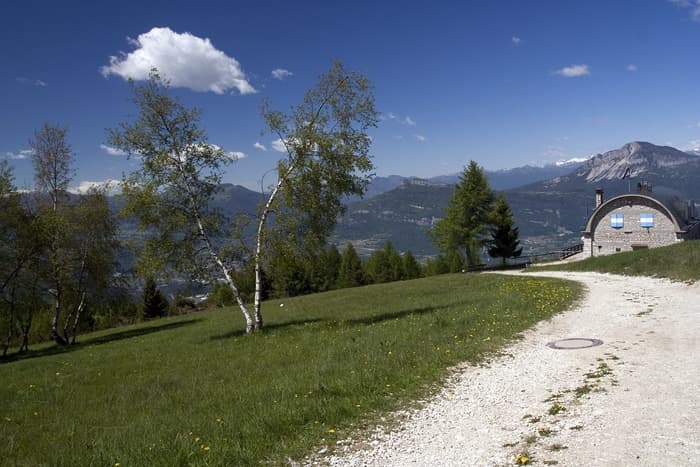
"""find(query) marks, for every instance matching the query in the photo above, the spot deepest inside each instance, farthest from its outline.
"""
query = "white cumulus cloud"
(631, 67)
(573, 71)
(186, 60)
(260, 146)
(420, 138)
(516, 40)
(23, 154)
(408, 121)
(281, 73)
(112, 151)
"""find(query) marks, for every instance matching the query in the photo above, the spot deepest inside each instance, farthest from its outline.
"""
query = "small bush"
(155, 305)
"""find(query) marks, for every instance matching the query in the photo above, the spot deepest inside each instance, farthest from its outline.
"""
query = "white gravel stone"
(647, 412)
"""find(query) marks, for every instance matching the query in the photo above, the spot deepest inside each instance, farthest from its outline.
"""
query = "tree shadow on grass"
(268, 328)
(334, 321)
(115, 336)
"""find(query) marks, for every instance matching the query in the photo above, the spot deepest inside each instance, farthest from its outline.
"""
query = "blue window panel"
(617, 221)
(646, 220)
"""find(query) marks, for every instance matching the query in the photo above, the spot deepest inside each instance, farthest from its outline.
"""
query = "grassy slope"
(193, 391)
(678, 262)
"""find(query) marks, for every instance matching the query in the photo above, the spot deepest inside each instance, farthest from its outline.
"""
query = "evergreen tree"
(351, 272)
(327, 269)
(437, 266)
(155, 304)
(385, 265)
(411, 267)
(504, 242)
(464, 227)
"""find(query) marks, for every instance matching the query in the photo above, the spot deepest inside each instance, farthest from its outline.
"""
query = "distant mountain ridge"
(550, 212)
(550, 209)
(503, 179)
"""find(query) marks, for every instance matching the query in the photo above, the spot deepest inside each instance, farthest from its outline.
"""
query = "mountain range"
(550, 204)
(550, 207)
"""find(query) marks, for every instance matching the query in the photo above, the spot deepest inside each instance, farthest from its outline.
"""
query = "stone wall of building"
(606, 239)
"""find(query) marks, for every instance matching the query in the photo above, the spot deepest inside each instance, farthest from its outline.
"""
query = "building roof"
(668, 202)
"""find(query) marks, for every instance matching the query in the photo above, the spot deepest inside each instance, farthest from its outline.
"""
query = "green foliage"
(154, 303)
(351, 272)
(677, 262)
(327, 158)
(411, 268)
(327, 270)
(466, 219)
(436, 266)
(299, 273)
(384, 265)
(504, 241)
(171, 191)
(64, 251)
(221, 295)
(162, 392)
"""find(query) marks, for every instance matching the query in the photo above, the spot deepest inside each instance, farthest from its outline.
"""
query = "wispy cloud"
(631, 67)
(573, 71)
(408, 121)
(278, 145)
(420, 138)
(260, 146)
(186, 60)
(235, 155)
(23, 154)
(692, 5)
(281, 73)
(516, 40)
(112, 151)
(35, 82)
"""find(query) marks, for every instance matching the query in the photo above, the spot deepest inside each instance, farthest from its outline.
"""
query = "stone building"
(639, 220)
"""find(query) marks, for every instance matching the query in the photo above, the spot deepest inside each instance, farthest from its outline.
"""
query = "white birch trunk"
(227, 275)
(258, 245)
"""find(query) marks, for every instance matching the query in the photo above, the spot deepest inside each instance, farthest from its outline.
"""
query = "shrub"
(155, 305)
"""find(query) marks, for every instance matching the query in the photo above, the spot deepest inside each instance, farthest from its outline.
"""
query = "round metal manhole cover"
(574, 343)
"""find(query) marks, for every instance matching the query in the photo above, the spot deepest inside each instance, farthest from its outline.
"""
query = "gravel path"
(631, 401)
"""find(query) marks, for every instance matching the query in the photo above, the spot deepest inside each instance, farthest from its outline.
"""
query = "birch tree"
(170, 192)
(326, 156)
(52, 157)
(77, 234)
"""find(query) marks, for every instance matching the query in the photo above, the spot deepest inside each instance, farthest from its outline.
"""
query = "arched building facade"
(638, 220)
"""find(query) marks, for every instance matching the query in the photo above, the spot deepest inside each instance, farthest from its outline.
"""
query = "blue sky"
(505, 83)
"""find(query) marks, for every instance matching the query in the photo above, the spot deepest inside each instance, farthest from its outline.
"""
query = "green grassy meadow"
(680, 262)
(193, 390)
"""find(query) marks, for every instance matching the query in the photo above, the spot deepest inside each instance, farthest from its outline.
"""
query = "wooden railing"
(571, 251)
